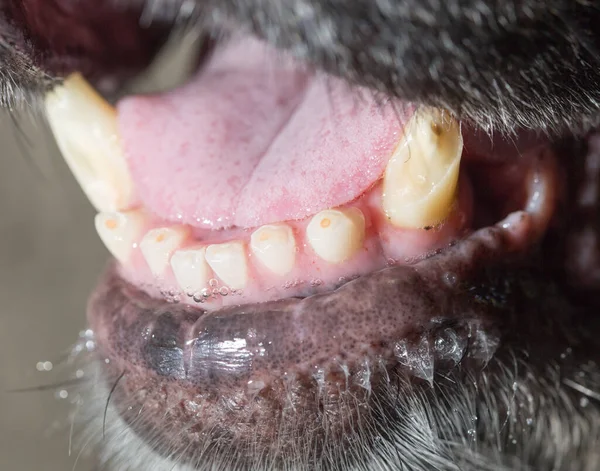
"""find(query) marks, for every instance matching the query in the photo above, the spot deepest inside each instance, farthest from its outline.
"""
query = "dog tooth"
(336, 234)
(85, 129)
(190, 269)
(274, 245)
(420, 180)
(120, 232)
(158, 245)
(228, 261)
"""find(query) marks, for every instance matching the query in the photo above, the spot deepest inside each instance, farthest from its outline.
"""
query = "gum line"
(415, 207)
(383, 245)
(290, 364)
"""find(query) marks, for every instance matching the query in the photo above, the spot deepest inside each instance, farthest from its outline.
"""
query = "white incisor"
(336, 234)
(228, 261)
(191, 269)
(158, 245)
(275, 247)
(120, 232)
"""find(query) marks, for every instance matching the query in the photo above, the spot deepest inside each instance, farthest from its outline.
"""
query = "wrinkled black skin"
(502, 65)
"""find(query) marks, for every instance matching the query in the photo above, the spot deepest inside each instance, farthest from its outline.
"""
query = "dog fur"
(502, 65)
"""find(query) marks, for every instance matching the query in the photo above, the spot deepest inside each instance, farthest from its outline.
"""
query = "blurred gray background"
(49, 261)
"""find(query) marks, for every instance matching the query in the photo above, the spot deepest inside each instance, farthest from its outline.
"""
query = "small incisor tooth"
(85, 129)
(190, 269)
(420, 180)
(275, 247)
(228, 261)
(336, 234)
(158, 245)
(120, 232)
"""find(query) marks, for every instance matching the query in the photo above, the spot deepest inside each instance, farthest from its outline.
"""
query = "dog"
(480, 354)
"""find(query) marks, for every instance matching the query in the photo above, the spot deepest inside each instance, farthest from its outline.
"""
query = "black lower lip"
(221, 374)
(243, 366)
(365, 318)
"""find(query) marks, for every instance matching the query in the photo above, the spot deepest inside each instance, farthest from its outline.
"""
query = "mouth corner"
(245, 364)
(391, 252)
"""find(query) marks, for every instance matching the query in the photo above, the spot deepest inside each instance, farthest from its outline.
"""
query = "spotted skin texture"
(500, 65)
(269, 383)
(224, 373)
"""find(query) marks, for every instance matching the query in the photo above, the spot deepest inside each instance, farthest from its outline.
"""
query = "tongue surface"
(254, 139)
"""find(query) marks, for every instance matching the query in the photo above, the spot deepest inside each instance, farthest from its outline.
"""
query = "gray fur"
(509, 416)
(500, 64)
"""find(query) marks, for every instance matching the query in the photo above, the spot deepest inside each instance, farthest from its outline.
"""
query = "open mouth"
(283, 241)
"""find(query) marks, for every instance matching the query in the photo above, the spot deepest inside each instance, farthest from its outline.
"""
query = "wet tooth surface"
(420, 180)
(336, 234)
(229, 263)
(159, 244)
(85, 129)
(275, 247)
(120, 231)
(190, 269)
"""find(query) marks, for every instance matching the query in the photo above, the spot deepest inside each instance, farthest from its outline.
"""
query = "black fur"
(499, 63)
(502, 64)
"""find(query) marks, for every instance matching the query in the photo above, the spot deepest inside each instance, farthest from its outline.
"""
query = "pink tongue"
(254, 139)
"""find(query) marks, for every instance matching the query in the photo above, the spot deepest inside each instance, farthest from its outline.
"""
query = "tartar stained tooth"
(275, 247)
(190, 269)
(85, 129)
(158, 245)
(336, 234)
(120, 231)
(228, 261)
(421, 178)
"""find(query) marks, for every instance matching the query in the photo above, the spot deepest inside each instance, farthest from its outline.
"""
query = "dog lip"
(225, 368)
(218, 373)
(363, 317)
(263, 339)
(62, 39)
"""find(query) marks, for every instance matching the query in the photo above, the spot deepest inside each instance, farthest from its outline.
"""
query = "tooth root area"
(336, 234)
(275, 247)
(420, 180)
(158, 245)
(120, 231)
(190, 269)
(228, 261)
(85, 129)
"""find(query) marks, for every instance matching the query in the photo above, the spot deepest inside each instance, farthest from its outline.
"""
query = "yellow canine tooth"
(85, 129)
(421, 178)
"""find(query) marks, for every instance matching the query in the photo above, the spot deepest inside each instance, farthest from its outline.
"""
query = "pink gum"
(383, 245)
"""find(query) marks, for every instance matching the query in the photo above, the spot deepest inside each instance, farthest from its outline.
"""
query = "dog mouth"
(285, 245)
(282, 240)
(261, 180)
